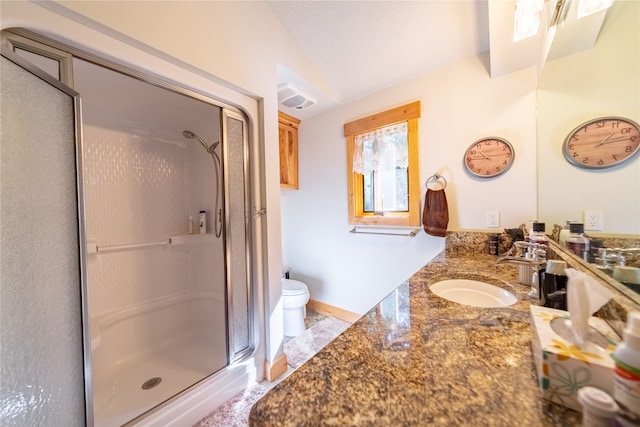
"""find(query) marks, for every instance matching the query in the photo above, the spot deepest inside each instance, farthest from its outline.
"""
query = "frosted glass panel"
(237, 237)
(42, 380)
(48, 65)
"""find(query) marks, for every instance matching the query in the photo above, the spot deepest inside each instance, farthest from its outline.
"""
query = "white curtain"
(382, 150)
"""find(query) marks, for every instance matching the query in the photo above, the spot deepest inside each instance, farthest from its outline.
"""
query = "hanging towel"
(435, 216)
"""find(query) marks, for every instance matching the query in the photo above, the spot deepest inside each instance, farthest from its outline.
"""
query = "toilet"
(295, 296)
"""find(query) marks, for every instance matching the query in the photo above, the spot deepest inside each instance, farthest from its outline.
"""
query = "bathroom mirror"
(598, 82)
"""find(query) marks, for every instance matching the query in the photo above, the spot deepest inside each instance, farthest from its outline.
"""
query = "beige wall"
(460, 104)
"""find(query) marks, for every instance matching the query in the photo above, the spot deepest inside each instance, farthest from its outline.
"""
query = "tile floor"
(320, 331)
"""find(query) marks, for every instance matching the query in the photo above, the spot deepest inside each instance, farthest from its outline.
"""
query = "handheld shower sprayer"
(190, 135)
(216, 165)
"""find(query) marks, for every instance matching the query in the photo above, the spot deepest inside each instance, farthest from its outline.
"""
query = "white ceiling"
(361, 47)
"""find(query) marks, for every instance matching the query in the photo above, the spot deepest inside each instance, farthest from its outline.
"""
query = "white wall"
(460, 104)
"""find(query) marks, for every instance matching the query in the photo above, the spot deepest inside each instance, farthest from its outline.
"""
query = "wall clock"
(602, 143)
(489, 157)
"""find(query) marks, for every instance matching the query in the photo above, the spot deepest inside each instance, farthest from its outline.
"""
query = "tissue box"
(564, 367)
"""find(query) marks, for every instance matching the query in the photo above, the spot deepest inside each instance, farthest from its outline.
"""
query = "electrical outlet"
(593, 221)
(493, 219)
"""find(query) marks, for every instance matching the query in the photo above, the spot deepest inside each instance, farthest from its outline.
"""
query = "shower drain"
(149, 384)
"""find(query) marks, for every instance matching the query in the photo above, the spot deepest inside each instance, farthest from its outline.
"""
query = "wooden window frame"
(409, 113)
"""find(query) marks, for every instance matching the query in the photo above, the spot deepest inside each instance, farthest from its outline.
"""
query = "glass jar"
(576, 242)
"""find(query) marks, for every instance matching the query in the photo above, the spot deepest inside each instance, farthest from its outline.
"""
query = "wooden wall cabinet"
(288, 140)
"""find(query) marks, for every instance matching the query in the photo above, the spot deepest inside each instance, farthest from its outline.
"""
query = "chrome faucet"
(532, 255)
(614, 256)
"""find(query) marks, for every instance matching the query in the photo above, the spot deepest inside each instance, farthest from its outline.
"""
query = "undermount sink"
(473, 292)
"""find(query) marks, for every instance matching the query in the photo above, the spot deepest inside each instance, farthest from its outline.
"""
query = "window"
(382, 168)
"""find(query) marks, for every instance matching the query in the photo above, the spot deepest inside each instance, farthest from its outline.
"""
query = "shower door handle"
(258, 213)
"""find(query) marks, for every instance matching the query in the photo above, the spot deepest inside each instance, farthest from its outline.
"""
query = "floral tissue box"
(564, 367)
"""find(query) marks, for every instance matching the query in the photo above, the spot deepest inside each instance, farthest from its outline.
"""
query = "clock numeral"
(585, 160)
(615, 125)
(487, 173)
(599, 124)
(633, 138)
(625, 130)
(600, 162)
(505, 163)
(615, 156)
(627, 149)
(576, 155)
(575, 138)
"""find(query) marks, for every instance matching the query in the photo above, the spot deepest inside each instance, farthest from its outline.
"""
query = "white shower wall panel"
(142, 190)
(134, 173)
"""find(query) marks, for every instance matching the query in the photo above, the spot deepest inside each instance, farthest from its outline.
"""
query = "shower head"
(188, 134)
(191, 135)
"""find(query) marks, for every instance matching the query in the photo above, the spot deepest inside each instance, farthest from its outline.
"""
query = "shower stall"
(168, 305)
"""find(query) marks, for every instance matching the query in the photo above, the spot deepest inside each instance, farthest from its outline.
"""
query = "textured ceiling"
(363, 46)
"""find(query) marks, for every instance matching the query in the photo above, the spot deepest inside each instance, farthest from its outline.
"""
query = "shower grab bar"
(126, 247)
(412, 233)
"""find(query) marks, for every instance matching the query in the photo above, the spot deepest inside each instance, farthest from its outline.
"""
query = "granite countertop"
(417, 359)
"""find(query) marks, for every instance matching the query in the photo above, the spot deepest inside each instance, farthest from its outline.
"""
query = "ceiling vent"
(291, 97)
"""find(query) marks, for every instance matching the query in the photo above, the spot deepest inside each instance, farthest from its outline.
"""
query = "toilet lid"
(293, 287)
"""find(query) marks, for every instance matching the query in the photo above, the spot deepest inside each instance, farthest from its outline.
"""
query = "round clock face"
(489, 157)
(602, 143)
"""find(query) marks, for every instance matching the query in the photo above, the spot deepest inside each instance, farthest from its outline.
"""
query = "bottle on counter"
(493, 244)
(537, 234)
(626, 380)
(576, 242)
(594, 253)
(564, 233)
(203, 222)
(598, 407)
(553, 288)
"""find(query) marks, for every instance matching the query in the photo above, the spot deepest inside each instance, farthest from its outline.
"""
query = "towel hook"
(437, 177)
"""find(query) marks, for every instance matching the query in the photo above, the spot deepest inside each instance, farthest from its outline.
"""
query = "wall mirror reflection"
(598, 82)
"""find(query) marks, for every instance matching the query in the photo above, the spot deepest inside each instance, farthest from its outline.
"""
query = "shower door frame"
(227, 110)
(82, 254)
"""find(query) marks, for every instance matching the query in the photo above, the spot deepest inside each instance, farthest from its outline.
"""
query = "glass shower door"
(42, 380)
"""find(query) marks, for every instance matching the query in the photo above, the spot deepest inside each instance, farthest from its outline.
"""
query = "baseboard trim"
(333, 311)
(275, 369)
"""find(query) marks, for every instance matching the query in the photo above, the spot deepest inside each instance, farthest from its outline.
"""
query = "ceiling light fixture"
(526, 21)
